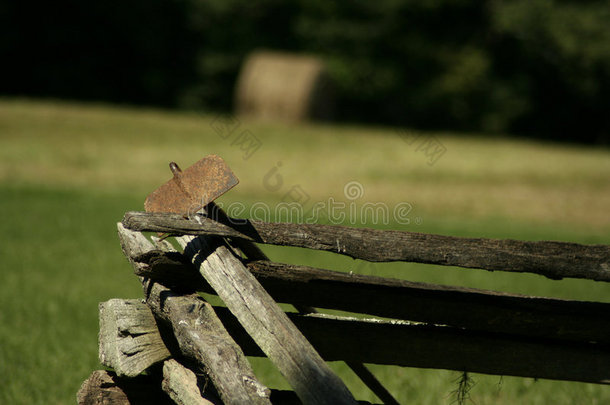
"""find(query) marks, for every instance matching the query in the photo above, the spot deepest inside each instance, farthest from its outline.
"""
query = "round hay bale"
(287, 87)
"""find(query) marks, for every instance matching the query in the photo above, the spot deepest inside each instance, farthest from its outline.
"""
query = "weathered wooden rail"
(195, 353)
(554, 260)
(399, 299)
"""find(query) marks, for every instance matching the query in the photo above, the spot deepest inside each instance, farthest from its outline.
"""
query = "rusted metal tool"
(190, 190)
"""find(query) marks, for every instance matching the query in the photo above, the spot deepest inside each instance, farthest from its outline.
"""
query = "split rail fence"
(174, 347)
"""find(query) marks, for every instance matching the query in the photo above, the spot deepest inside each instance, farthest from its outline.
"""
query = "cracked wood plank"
(310, 377)
(554, 260)
(129, 341)
(253, 252)
(104, 387)
(180, 384)
(199, 333)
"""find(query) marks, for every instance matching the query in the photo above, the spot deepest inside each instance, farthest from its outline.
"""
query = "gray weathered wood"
(199, 333)
(202, 337)
(105, 387)
(180, 384)
(292, 354)
(253, 252)
(554, 260)
(391, 298)
(129, 341)
(411, 345)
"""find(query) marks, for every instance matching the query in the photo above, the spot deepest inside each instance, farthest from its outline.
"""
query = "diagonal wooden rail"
(555, 260)
(427, 346)
(253, 252)
(198, 332)
(311, 378)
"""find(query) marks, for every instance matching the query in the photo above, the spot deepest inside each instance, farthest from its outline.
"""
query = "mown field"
(68, 172)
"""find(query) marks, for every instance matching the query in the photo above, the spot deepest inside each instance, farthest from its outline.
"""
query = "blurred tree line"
(533, 67)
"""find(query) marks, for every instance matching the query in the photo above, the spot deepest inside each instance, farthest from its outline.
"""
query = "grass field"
(68, 172)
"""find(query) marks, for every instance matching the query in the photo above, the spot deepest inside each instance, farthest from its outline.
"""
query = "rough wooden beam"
(440, 347)
(129, 341)
(199, 333)
(470, 308)
(180, 384)
(292, 354)
(391, 298)
(201, 337)
(253, 252)
(105, 387)
(554, 260)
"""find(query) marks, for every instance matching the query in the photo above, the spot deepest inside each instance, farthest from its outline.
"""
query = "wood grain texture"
(292, 354)
(106, 388)
(199, 333)
(392, 298)
(555, 260)
(129, 340)
(253, 252)
(441, 347)
(180, 384)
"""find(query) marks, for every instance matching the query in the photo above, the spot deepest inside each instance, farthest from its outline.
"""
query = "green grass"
(59, 258)
(69, 172)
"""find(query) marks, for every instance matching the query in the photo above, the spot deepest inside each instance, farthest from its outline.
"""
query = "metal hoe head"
(190, 190)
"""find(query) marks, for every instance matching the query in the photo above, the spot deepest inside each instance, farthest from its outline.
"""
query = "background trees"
(535, 67)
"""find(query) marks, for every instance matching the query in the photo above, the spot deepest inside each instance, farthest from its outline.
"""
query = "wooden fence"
(174, 347)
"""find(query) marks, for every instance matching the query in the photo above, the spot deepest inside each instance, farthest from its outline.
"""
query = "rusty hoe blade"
(190, 190)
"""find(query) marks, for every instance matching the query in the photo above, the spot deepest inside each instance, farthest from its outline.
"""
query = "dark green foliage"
(405, 62)
(227, 31)
(134, 51)
(539, 67)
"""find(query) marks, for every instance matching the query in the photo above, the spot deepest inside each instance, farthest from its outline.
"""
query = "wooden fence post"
(199, 333)
(129, 341)
(282, 342)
